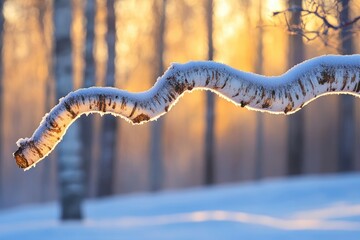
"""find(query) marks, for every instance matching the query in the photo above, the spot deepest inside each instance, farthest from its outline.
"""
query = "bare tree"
(69, 160)
(295, 122)
(109, 124)
(209, 148)
(86, 124)
(347, 111)
(156, 143)
(346, 26)
(326, 12)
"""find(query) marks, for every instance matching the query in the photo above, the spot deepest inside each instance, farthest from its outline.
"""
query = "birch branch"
(283, 94)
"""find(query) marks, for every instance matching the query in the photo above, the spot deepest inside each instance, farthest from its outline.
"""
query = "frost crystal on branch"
(283, 94)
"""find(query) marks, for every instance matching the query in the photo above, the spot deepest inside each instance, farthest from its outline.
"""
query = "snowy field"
(302, 208)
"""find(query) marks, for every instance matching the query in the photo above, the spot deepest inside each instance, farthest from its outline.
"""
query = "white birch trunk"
(109, 124)
(69, 160)
(87, 124)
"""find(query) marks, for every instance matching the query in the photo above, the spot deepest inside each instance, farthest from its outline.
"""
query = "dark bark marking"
(133, 110)
(110, 100)
(263, 92)
(140, 118)
(53, 123)
(156, 97)
(288, 108)
(267, 103)
(227, 79)
(68, 108)
(83, 99)
(327, 76)
(123, 103)
(217, 78)
(237, 94)
(207, 81)
(302, 88)
(20, 159)
(101, 104)
(37, 150)
(55, 130)
(243, 103)
(166, 108)
(346, 77)
(180, 87)
(114, 105)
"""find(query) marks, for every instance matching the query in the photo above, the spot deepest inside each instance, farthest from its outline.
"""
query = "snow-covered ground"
(300, 208)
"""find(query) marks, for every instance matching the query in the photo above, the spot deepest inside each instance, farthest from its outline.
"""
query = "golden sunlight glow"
(273, 6)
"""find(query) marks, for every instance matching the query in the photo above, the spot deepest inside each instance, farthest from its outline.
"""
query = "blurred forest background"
(50, 47)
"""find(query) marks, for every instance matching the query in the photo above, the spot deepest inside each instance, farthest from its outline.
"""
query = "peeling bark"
(239, 88)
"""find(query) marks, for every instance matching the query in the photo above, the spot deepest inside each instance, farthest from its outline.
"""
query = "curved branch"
(283, 94)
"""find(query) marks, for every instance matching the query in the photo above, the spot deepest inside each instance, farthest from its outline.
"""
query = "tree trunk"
(259, 149)
(209, 148)
(1, 93)
(347, 113)
(86, 123)
(156, 142)
(295, 121)
(45, 16)
(109, 123)
(69, 161)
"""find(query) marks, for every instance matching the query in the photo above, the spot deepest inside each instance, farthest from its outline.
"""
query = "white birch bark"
(283, 94)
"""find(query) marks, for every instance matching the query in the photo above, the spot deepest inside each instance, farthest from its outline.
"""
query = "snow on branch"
(283, 94)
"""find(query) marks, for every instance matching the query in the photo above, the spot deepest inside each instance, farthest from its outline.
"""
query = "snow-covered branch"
(283, 94)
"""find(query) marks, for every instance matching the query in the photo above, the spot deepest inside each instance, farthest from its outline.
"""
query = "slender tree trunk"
(259, 149)
(45, 18)
(69, 161)
(87, 124)
(295, 121)
(109, 123)
(347, 113)
(156, 173)
(1, 94)
(209, 160)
